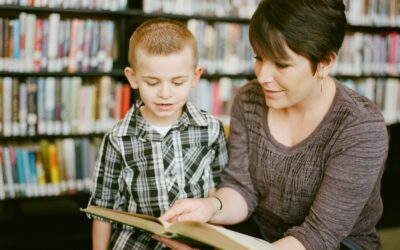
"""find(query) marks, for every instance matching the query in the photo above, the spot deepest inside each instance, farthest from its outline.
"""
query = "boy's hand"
(192, 209)
(173, 244)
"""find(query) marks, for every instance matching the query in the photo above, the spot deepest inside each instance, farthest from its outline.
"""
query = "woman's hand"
(192, 209)
(173, 244)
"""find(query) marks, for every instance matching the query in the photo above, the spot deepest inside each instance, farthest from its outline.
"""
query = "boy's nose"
(164, 90)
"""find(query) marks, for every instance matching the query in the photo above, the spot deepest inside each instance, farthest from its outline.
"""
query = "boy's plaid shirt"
(140, 171)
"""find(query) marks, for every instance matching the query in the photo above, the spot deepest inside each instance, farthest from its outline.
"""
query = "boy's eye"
(151, 83)
(178, 83)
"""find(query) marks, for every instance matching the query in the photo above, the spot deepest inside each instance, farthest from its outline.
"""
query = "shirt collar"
(134, 124)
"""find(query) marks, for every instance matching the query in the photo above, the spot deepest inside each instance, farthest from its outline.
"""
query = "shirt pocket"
(197, 162)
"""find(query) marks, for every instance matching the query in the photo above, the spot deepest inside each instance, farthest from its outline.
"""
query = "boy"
(165, 149)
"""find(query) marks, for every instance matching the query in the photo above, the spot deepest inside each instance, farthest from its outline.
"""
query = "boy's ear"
(131, 76)
(196, 78)
(325, 67)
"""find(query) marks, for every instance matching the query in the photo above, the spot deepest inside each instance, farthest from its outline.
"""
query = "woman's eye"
(282, 65)
(258, 58)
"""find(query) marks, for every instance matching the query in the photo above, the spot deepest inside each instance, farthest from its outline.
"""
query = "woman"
(306, 153)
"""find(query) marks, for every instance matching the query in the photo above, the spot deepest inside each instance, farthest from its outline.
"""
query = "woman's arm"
(234, 208)
(235, 177)
(288, 243)
(101, 233)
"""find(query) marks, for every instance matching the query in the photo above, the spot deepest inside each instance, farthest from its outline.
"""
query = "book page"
(249, 241)
(218, 236)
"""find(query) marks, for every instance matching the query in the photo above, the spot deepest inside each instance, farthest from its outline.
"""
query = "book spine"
(37, 55)
(1, 106)
(15, 107)
(126, 99)
(50, 105)
(34, 184)
(54, 24)
(66, 88)
(2, 41)
(7, 86)
(23, 109)
(9, 172)
(32, 106)
(41, 106)
(2, 176)
(30, 42)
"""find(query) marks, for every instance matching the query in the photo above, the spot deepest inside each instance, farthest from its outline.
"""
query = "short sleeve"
(106, 181)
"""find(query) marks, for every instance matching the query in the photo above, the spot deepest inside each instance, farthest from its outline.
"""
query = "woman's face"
(289, 83)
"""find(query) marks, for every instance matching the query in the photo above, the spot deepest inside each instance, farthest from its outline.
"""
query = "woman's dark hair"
(312, 28)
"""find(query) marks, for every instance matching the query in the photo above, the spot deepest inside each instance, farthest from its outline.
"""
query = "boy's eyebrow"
(150, 77)
(178, 77)
(173, 78)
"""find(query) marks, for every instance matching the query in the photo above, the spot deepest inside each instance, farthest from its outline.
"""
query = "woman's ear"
(325, 67)
(196, 78)
(131, 76)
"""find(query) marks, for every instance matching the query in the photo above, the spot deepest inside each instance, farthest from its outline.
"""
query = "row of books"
(32, 44)
(216, 96)
(219, 8)
(373, 12)
(385, 92)
(47, 168)
(223, 47)
(74, 105)
(61, 106)
(369, 54)
(75, 4)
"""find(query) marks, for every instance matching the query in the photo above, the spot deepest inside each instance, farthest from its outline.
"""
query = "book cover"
(202, 233)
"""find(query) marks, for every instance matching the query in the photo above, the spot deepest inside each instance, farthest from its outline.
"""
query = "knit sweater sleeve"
(352, 175)
(237, 174)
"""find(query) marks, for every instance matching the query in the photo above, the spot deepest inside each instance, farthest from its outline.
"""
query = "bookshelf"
(64, 75)
(216, 80)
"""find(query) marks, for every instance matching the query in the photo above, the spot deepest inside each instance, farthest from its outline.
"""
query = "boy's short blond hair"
(161, 36)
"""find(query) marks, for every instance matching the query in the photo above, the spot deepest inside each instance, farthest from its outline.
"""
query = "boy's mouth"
(164, 105)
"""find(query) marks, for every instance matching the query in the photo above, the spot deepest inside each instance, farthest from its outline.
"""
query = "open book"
(191, 232)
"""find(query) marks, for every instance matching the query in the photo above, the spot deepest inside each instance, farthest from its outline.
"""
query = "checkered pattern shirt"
(140, 171)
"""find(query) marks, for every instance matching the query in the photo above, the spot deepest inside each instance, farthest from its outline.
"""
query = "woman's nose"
(266, 71)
